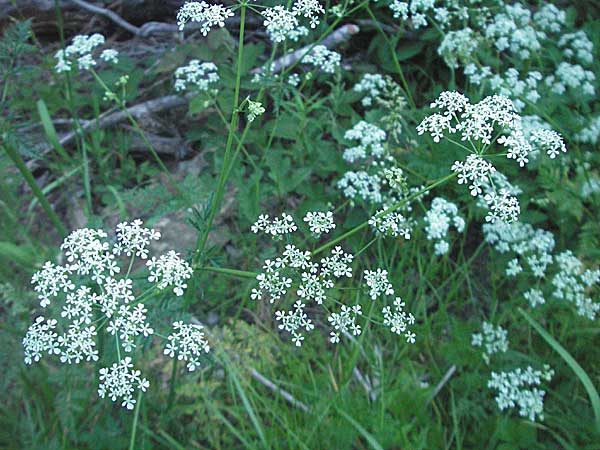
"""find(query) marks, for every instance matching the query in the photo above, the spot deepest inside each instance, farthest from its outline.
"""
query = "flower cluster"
(515, 390)
(255, 109)
(319, 222)
(283, 23)
(493, 339)
(398, 320)
(96, 293)
(81, 50)
(208, 15)
(188, 343)
(323, 59)
(569, 279)
(121, 381)
(197, 75)
(438, 220)
(277, 227)
(391, 224)
(370, 142)
(296, 273)
(476, 124)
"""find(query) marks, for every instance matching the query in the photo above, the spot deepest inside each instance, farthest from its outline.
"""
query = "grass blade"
(368, 436)
(574, 365)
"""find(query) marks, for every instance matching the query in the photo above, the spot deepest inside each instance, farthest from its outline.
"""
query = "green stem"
(202, 238)
(26, 173)
(136, 415)
(232, 272)
(172, 384)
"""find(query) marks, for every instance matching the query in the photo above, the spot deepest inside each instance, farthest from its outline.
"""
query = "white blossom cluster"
(283, 23)
(569, 279)
(208, 15)
(572, 76)
(295, 273)
(319, 222)
(371, 140)
(385, 94)
(439, 218)
(81, 51)
(96, 293)
(188, 343)
(392, 224)
(198, 76)
(476, 124)
(517, 389)
(255, 109)
(417, 12)
(323, 59)
(590, 133)
(277, 227)
(494, 339)
(458, 46)
(509, 84)
(398, 320)
(121, 381)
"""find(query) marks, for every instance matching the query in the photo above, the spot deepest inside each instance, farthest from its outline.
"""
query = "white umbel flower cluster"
(391, 224)
(81, 52)
(371, 140)
(208, 15)
(477, 124)
(438, 219)
(494, 339)
(295, 273)
(319, 222)
(516, 389)
(277, 227)
(96, 293)
(398, 320)
(121, 381)
(323, 59)
(188, 343)
(197, 76)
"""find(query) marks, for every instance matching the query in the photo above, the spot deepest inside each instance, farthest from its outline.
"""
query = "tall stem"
(26, 173)
(136, 415)
(201, 242)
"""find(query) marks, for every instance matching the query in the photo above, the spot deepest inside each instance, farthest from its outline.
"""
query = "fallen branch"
(342, 34)
(109, 15)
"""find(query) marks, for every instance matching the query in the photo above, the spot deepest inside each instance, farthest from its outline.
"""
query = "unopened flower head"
(255, 109)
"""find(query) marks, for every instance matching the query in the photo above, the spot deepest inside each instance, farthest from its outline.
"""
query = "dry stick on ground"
(264, 380)
(108, 14)
(342, 34)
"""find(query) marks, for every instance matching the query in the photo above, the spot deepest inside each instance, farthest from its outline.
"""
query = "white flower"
(475, 170)
(82, 50)
(196, 75)
(391, 224)
(494, 339)
(294, 321)
(120, 382)
(378, 283)
(40, 338)
(209, 15)
(188, 343)
(438, 219)
(344, 322)
(280, 22)
(514, 390)
(309, 9)
(371, 141)
(323, 59)
(277, 227)
(133, 239)
(169, 270)
(319, 222)
(398, 320)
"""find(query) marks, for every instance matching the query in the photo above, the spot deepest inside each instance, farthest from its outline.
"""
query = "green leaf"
(50, 130)
(574, 365)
